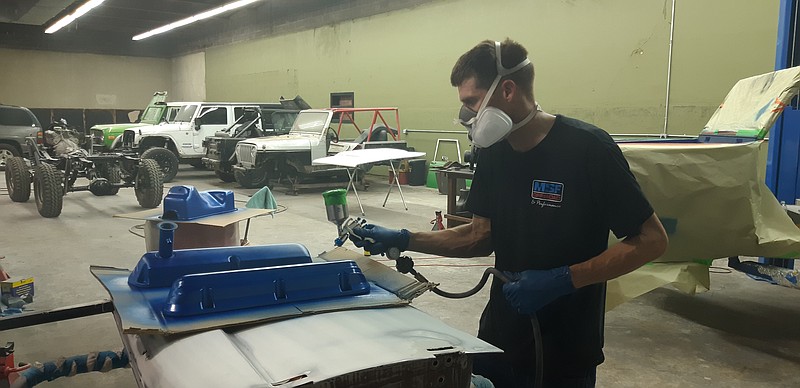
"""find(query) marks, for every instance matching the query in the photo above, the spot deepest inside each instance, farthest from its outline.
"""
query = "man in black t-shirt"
(546, 192)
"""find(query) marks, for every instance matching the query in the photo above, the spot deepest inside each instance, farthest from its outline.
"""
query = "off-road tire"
(149, 186)
(166, 159)
(251, 179)
(7, 151)
(225, 176)
(112, 173)
(48, 190)
(18, 179)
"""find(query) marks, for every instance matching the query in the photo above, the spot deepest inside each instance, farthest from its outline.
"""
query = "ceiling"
(108, 28)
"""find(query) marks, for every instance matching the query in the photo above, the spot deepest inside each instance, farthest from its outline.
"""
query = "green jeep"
(103, 135)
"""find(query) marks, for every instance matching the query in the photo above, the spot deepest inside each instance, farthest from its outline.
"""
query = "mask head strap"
(501, 72)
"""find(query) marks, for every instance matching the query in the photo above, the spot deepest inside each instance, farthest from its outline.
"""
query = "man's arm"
(626, 256)
(469, 240)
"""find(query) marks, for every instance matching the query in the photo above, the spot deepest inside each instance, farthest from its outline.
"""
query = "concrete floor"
(742, 333)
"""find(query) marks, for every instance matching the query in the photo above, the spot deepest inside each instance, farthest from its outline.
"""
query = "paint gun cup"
(336, 207)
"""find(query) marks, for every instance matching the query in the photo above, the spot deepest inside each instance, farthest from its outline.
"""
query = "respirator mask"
(490, 125)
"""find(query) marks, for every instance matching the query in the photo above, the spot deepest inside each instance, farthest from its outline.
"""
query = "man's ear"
(509, 89)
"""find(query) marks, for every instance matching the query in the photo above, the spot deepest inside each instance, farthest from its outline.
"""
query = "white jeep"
(180, 139)
(289, 156)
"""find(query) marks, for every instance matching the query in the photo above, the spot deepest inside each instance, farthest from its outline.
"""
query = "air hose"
(68, 367)
(405, 264)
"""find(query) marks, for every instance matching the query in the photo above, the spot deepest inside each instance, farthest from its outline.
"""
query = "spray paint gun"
(346, 231)
(336, 210)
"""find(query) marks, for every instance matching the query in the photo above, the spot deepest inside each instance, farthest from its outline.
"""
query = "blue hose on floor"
(68, 367)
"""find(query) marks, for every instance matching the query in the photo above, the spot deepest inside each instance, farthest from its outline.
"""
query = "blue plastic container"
(153, 271)
(216, 292)
(185, 203)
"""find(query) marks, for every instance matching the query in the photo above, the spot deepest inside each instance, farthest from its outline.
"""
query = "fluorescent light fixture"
(195, 18)
(82, 10)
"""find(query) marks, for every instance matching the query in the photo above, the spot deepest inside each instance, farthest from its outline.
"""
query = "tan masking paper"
(711, 197)
(754, 103)
(716, 198)
(689, 278)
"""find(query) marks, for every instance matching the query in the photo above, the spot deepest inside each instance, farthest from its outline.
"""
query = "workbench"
(453, 175)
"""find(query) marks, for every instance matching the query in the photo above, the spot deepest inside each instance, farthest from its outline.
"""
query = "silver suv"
(16, 123)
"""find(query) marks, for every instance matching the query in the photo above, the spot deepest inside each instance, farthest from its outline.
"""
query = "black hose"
(406, 265)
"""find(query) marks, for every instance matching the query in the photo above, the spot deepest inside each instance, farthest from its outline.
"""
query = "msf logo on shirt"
(546, 193)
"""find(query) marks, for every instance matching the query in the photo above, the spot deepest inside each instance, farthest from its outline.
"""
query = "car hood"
(290, 142)
(117, 127)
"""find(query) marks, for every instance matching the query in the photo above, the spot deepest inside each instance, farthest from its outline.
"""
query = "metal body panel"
(318, 347)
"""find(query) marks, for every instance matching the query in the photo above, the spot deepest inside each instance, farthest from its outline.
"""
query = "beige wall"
(188, 78)
(602, 61)
(45, 79)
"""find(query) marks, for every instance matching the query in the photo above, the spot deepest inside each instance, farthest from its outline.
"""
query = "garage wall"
(188, 78)
(602, 61)
(45, 79)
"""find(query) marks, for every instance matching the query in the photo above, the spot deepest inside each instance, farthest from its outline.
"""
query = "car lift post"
(783, 159)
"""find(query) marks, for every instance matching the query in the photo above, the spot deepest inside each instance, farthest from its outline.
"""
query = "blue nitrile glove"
(531, 290)
(377, 239)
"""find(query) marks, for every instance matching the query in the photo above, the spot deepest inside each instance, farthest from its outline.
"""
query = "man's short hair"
(481, 62)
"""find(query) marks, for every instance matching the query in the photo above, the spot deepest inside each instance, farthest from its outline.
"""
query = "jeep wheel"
(18, 179)
(225, 176)
(7, 151)
(112, 173)
(149, 187)
(48, 190)
(166, 159)
(251, 179)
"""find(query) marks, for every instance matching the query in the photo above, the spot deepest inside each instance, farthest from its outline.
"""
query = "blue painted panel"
(185, 203)
(140, 310)
(216, 292)
(152, 271)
